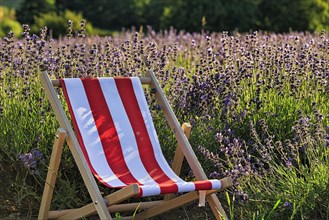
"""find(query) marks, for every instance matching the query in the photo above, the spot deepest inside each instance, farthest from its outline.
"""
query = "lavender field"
(258, 104)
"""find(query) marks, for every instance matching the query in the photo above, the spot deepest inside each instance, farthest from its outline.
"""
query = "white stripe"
(216, 184)
(125, 132)
(89, 133)
(150, 190)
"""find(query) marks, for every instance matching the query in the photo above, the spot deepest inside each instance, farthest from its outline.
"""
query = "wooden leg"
(216, 207)
(74, 146)
(52, 173)
(202, 198)
(182, 140)
(214, 203)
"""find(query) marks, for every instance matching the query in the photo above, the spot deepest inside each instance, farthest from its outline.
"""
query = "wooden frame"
(103, 206)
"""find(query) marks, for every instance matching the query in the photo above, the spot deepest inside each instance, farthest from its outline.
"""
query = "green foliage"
(8, 22)
(151, 13)
(8, 13)
(33, 8)
(57, 22)
(218, 15)
(11, 3)
(296, 15)
(190, 15)
(318, 16)
(8, 25)
(111, 14)
(212, 15)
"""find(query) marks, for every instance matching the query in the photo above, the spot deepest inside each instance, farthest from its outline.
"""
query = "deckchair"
(114, 141)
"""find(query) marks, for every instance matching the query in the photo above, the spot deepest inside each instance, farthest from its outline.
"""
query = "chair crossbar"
(144, 80)
(55, 214)
(114, 198)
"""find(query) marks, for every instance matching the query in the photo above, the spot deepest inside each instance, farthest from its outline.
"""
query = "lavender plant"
(258, 104)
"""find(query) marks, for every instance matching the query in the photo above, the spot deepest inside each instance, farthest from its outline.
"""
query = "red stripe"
(107, 131)
(168, 188)
(145, 148)
(203, 185)
(78, 133)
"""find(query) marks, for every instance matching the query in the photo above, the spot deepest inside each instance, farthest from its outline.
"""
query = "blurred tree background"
(190, 15)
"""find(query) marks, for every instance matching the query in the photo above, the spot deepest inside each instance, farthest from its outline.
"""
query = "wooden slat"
(133, 206)
(122, 194)
(113, 209)
(144, 80)
(73, 144)
(52, 173)
(183, 143)
(114, 198)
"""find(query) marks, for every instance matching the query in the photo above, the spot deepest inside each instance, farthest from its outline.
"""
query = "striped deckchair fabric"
(116, 133)
(114, 141)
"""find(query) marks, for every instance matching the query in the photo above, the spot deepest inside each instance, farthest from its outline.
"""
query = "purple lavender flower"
(289, 162)
(288, 205)
(31, 160)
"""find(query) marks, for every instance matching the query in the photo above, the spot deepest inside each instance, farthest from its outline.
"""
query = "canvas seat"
(116, 141)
